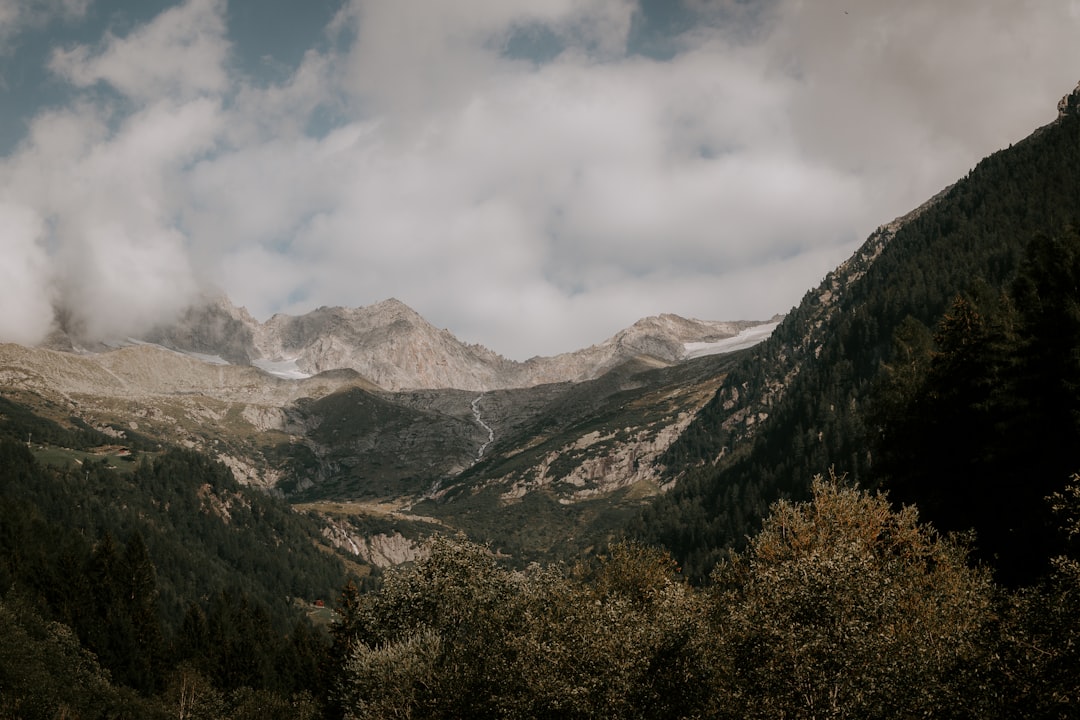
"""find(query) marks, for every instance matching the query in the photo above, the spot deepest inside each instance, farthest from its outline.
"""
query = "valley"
(397, 464)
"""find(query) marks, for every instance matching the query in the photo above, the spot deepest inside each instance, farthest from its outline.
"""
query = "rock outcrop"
(1070, 104)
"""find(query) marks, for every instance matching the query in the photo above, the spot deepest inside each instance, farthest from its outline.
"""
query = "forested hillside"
(128, 580)
(820, 373)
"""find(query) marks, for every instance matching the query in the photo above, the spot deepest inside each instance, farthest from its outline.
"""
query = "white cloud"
(591, 187)
(121, 262)
(551, 184)
(911, 95)
(118, 282)
(108, 190)
(9, 16)
(283, 112)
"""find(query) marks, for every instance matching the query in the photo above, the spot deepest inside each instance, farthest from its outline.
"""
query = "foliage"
(842, 607)
(44, 671)
(1040, 641)
(622, 636)
(199, 528)
(457, 635)
(447, 613)
(18, 422)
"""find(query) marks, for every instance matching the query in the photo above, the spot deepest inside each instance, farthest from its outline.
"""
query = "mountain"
(812, 397)
(938, 363)
(394, 347)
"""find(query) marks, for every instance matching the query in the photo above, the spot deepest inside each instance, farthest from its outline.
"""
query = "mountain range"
(395, 348)
(377, 410)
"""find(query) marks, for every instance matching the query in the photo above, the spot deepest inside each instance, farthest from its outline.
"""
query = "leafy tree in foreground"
(429, 638)
(621, 637)
(457, 635)
(842, 607)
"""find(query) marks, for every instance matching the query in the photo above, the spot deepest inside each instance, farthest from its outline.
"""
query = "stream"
(481, 423)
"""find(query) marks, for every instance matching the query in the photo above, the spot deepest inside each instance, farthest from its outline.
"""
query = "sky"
(532, 176)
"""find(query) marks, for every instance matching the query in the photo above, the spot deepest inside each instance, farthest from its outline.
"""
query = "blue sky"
(532, 176)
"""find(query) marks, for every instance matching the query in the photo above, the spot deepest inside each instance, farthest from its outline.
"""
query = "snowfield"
(747, 338)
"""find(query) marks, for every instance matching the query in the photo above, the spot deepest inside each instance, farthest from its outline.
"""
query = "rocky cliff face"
(1070, 104)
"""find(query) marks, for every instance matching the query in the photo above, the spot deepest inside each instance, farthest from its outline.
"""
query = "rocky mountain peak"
(666, 336)
(394, 307)
(388, 343)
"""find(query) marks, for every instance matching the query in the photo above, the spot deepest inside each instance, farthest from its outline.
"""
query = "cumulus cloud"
(922, 85)
(121, 260)
(536, 199)
(106, 187)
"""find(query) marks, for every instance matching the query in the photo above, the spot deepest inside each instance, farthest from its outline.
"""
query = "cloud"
(518, 172)
(923, 86)
(543, 187)
(180, 55)
(24, 277)
(118, 260)
(105, 187)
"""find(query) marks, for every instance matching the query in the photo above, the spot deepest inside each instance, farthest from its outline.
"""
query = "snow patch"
(747, 338)
(286, 369)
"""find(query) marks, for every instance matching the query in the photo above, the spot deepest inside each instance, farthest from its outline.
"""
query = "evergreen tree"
(991, 429)
(143, 654)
